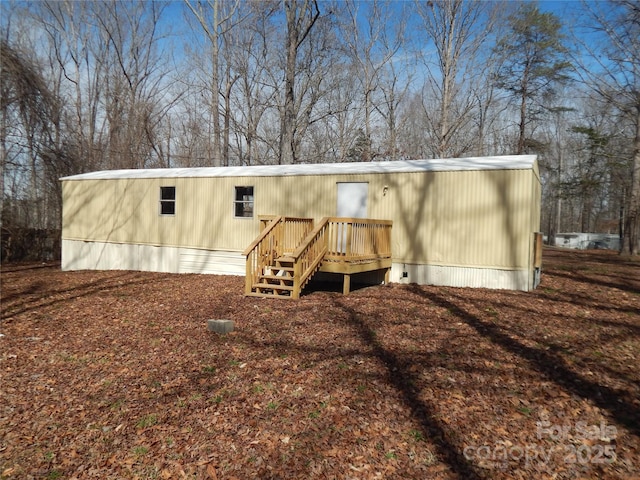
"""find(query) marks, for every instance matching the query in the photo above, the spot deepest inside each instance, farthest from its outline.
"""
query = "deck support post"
(248, 278)
(346, 284)
(297, 274)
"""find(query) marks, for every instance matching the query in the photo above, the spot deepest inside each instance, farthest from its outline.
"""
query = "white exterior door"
(352, 199)
(352, 203)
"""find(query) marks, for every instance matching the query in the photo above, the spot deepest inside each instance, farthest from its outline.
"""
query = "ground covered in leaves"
(114, 375)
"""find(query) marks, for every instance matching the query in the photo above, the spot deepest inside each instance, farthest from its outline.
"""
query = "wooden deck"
(289, 251)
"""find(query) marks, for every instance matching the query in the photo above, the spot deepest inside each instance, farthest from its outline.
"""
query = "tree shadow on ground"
(21, 267)
(606, 257)
(54, 296)
(627, 284)
(404, 381)
(617, 403)
(592, 268)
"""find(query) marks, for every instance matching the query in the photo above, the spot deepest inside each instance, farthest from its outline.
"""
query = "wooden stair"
(290, 250)
(276, 280)
(273, 264)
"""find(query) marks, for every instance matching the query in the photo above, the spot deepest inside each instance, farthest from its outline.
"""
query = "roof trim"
(509, 162)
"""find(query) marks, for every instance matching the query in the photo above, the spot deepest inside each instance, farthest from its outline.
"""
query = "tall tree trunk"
(215, 31)
(393, 134)
(558, 199)
(287, 153)
(523, 115)
(227, 116)
(300, 21)
(215, 82)
(366, 152)
(3, 155)
(633, 213)
(453, 27)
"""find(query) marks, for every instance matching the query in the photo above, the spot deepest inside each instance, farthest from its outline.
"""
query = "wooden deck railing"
(309, 255)
(358, 239)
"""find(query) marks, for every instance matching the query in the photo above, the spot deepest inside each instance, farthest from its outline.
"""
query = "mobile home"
(583, 241)
(467, 222)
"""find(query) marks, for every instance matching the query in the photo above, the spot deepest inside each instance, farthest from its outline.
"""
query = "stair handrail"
(309, 238)
(315, 244)
(255, 264)
(272, 224)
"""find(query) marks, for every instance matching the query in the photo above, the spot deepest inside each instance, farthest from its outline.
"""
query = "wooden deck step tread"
(284, 278)
(283, 269)
(267, 295)
(272, 286)
(285, 259)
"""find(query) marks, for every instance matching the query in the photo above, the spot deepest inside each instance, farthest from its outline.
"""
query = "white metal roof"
(509, 162)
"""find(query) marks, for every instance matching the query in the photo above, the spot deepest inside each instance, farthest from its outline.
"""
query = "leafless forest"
(126, 84)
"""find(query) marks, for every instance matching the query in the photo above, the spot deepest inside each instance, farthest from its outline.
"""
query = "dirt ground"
(115, 375)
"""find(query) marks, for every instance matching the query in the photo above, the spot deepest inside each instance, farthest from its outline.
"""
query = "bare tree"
(134, 81)
(29, 109)
(612, 70)
(74, 50)
(457, 29)
(394, 79)
(553, 170)
(252, 65)
(217, 18)
(105, 59)
(29, 201)
(301, 16)
(336, 133)
(371, 49)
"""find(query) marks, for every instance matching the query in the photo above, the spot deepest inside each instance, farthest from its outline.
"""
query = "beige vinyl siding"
(118, 211)
(466, 218)
(474, 218)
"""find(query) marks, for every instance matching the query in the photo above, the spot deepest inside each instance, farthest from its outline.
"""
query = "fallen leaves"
(114, 374)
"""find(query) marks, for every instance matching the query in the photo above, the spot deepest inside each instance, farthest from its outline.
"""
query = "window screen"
(167, 200)
(243, 204)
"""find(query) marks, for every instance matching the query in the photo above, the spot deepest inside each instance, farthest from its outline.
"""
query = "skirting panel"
(212, 262)
(79, 255)
(461, 276)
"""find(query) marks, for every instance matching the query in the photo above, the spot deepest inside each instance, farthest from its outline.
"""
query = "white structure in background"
(584, 241)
